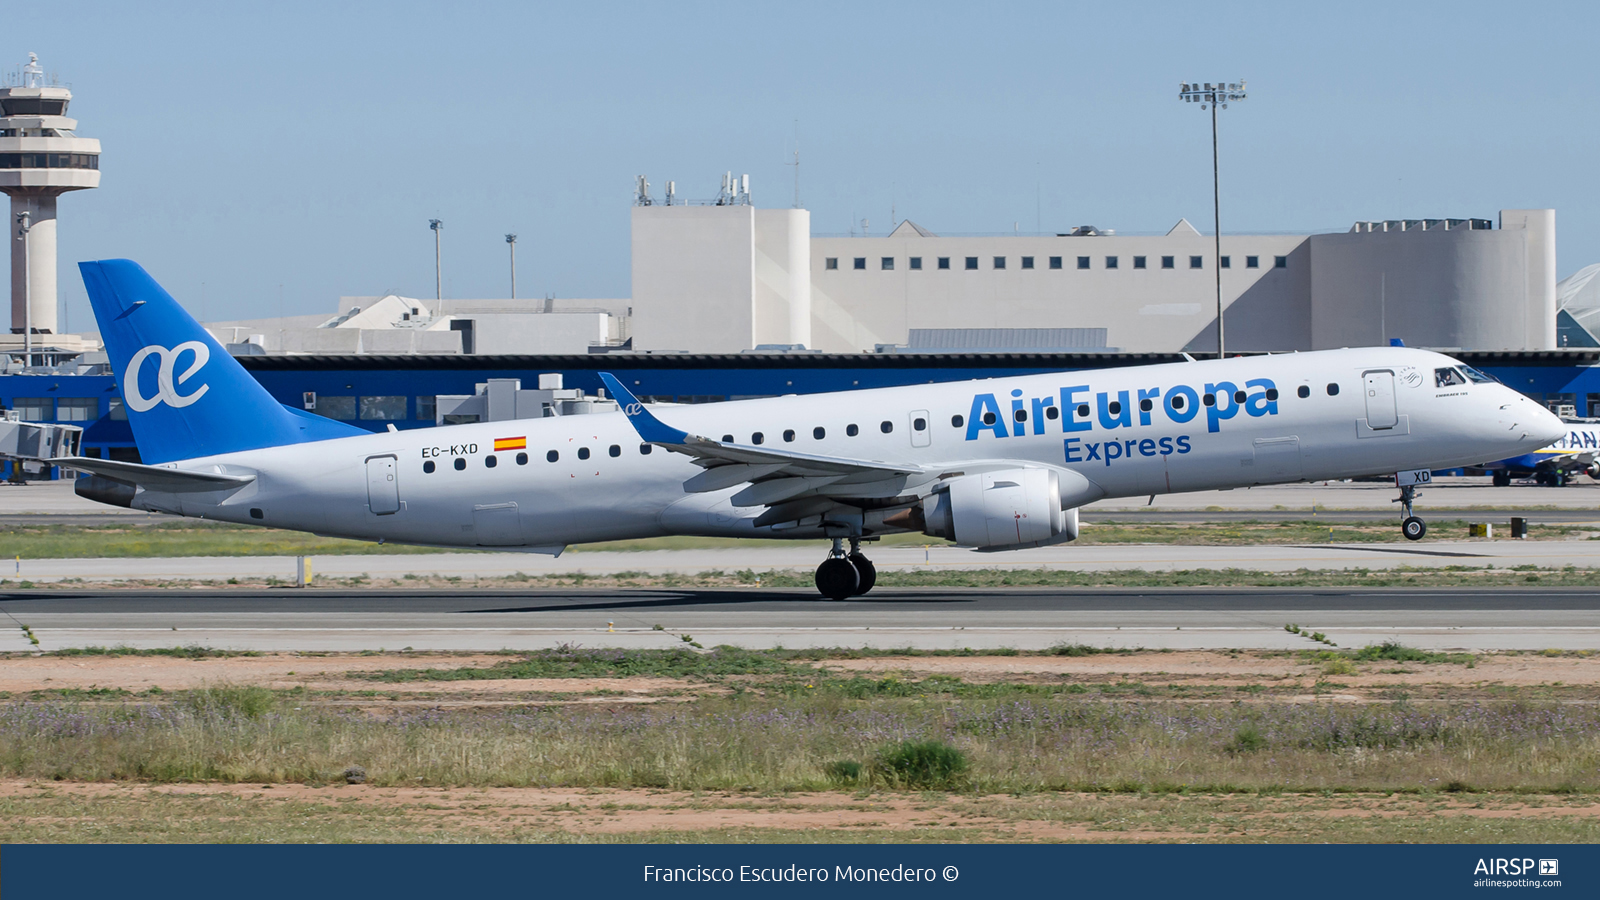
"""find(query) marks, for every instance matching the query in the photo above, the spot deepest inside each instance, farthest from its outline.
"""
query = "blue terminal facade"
(409, 383)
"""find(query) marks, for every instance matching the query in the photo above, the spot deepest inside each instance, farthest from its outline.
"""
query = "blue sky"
(308, 145)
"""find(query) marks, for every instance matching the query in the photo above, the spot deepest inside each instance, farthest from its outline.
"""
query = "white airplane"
(998, 464)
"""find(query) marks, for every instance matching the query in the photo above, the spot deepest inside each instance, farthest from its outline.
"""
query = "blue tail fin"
(184, 394)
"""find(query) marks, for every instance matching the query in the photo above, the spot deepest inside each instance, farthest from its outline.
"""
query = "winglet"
(649, 427)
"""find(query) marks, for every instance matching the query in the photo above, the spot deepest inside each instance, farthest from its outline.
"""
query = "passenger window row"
(493, 460)
(1304, 390)
(819, 433)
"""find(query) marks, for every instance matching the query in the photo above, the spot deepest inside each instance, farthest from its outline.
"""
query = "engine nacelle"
(1010, 509)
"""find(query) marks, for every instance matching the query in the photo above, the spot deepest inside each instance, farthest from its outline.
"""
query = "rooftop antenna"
(33, 73)
(641, 192)
(796, 164)
(672, 190)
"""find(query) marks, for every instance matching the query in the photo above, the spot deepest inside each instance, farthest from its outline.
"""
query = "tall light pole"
(511, 241)
(23, 227)
(438, 269)
(1210, 96)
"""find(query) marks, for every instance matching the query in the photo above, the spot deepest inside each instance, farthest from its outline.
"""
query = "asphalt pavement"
(1178, 618)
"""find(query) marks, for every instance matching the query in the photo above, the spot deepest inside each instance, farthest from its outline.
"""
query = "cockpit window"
(1477, 377)
(1447, 377)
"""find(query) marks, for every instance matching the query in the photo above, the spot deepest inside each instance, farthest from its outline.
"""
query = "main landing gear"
(844, 574)
(1411, 525)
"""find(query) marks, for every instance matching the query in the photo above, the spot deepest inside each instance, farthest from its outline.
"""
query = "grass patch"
(190, 652)
(187, 537)
(756, 743)
(1396, 652)
(926, 764)
(227, 702)
(727, 661)
(574, 662)
(1248, 739)
(1086, 650)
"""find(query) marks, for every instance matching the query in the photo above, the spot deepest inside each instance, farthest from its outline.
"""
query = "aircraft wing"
(156, 478)
(774, 476)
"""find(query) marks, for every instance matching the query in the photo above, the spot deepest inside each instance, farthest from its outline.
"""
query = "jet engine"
(1008, 509)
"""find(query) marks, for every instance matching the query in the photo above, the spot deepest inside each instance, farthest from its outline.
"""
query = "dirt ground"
(330, 673)
(508, 813)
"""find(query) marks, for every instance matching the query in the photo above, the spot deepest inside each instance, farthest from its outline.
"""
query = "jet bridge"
(36, 444)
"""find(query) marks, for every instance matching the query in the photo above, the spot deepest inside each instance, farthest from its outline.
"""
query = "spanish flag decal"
(516, 443)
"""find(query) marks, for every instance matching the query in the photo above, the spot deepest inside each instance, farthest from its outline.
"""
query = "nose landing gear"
(843, 574)
(1411, 525)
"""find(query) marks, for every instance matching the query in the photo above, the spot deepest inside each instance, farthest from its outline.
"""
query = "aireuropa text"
(793, 873)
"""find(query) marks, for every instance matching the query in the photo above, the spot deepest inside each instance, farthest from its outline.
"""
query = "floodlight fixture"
(511, 241)
(25, 225)
(437, 226)
(1210, 96)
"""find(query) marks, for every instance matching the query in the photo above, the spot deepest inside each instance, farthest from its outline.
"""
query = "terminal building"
(730, 278)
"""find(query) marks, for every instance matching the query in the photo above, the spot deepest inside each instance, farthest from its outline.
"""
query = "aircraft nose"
(1535, 422)
(1530, 424)
(1548, 426)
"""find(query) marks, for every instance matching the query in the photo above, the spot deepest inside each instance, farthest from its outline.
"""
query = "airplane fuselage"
(1127, 431)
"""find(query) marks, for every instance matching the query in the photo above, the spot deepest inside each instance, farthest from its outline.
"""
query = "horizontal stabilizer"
(157, 478)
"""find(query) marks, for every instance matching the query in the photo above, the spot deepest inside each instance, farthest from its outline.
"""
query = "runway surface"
(315, 619)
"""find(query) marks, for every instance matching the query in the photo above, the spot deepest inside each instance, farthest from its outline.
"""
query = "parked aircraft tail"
(185, 396)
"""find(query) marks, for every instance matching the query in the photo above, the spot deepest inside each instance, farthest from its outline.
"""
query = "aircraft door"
(383, 485)
(921, 428)
(1379, 388)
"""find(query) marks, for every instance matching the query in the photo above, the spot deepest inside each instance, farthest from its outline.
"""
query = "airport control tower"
(41, 158)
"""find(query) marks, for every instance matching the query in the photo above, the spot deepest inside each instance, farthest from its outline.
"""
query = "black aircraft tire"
(1413, 528)
(837, 579)
(1502, 479)
(866, 570)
